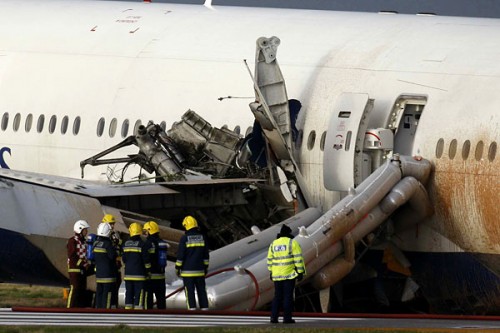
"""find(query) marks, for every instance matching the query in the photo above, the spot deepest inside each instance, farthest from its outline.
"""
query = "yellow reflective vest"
(285, 260)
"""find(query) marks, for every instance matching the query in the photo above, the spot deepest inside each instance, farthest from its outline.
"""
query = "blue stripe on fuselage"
(4, 165)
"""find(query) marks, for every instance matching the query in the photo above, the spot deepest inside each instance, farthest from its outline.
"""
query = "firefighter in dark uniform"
(285, 264)
(137, 268)
(105, 266)
(117, 244)
(157, 249)
(78, 265)
(192, 263)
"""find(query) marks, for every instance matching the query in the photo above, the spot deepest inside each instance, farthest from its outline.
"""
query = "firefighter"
(105, 266)
(78, 265)
(157, 249)
(117, 243)
(285, 264)
(192, 263)
(137, 268)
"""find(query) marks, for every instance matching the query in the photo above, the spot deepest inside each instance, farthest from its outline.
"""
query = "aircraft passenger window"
(453, 149)
(100, 126)
(163, 125)
(136, 126)
(64, 125)
(311, 140)
(29, 122)
(17, 122)
(112, 128)
(479, 151)
(40, 123)
(440, 148)
(76, 126)
(492, 152)
(52, 124)
(322, 141)
(125, 128)
(466, 150)
(237, 129)
(5, 121)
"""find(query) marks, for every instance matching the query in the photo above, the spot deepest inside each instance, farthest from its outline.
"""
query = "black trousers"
(198, 283)
(283, 297)
(114, 294)
(157, 288)
(104, 295)
(134, 294)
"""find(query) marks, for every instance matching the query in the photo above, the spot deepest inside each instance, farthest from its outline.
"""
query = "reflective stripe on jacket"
(105, 260)
(153, 246)
(284, 259)
(192, 255)
(136, 259)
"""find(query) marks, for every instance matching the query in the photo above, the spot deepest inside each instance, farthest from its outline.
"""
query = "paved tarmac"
(107, 318)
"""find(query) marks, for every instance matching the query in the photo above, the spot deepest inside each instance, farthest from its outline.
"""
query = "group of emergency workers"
(144, 265)
(145, 262)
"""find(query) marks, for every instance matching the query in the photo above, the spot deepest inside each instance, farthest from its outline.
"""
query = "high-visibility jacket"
(136, 259)
(192, 255)
(285, 260)
(105, 260)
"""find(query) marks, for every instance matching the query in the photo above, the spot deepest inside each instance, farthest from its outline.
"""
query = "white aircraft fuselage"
(105, 63)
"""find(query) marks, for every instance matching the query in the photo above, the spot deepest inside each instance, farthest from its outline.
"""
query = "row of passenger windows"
(452, 148)
(40, 123)
(125, 126)
(29, 125)
(466, 150)
(65, 123)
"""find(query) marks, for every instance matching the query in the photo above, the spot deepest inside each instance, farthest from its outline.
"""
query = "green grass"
(12, 295)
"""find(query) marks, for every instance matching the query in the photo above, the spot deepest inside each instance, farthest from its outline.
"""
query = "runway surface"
(92, 317)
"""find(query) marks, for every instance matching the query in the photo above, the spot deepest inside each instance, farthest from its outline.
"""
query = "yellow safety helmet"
(135, 229)
(108, 218)
(151, 227)
(189, 222)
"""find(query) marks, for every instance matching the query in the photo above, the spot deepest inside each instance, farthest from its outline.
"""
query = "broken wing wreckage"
(244, 185)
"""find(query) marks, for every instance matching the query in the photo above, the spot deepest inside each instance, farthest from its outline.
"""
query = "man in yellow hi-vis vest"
(285, 264)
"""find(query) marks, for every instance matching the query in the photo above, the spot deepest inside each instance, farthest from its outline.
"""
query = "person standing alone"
(192, 263)
(285, 264)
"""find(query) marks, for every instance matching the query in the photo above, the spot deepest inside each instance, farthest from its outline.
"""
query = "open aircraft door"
(343, 157)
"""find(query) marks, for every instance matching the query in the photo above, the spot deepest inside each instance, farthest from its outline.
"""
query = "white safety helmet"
(104, 229)
(80, 225)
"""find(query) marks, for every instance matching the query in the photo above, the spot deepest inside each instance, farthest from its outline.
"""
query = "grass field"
(12, 295)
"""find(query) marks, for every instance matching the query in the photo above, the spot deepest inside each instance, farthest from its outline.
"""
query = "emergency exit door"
(342, 161)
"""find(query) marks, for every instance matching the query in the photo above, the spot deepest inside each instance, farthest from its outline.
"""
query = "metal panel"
(342, 161)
